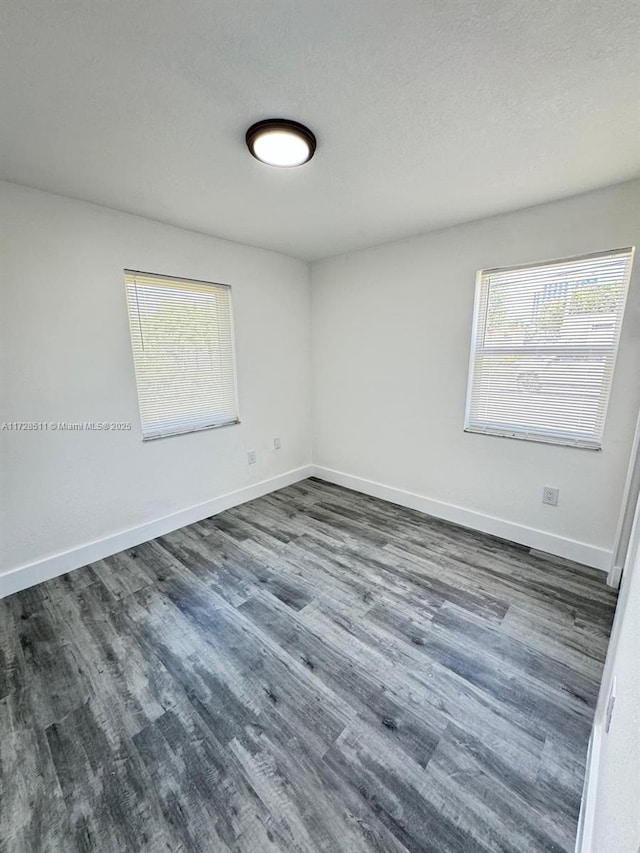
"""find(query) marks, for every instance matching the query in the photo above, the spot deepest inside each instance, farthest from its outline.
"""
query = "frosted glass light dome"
(281, 142)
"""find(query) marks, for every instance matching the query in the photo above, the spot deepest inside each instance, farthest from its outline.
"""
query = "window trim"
(166, 277)
(538, 436)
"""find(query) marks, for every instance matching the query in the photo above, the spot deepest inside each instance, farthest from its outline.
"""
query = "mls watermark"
(65, 426)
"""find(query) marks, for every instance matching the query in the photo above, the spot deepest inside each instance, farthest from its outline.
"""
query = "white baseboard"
(550, 543)
(57, 564)
(33, 573)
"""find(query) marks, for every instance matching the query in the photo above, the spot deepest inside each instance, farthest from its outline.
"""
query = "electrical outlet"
(550, 495)
(276, 444)
(251, 456)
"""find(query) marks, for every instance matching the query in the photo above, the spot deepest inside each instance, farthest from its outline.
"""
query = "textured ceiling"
(427, 113)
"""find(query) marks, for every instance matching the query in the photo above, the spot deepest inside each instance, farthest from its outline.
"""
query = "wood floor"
(313, 671)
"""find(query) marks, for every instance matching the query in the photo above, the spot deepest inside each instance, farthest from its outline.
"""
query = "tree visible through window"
(182, 340)
(544, 346)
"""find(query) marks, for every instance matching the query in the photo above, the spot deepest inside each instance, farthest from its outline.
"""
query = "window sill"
(190, 430)
(559, 441)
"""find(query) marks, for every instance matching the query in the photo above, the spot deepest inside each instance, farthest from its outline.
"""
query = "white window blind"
(544, 347)
(182, 339)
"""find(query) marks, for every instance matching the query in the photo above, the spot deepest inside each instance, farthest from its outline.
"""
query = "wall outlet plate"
(277, 444)
(251, 456)
(550, 495)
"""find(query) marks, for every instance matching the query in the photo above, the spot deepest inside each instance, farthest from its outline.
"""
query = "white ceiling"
(427, 112)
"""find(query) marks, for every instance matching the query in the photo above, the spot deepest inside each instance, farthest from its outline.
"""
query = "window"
(544, 347)
(182, 339)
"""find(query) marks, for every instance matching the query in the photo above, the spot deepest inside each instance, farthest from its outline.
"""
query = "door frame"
(630, 497)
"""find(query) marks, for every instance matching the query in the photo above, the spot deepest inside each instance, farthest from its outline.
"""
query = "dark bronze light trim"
(286, 125)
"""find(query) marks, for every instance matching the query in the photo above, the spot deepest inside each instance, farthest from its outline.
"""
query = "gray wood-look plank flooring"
(316, 670)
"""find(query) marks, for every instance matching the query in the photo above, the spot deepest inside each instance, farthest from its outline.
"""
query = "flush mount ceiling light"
(281, 142)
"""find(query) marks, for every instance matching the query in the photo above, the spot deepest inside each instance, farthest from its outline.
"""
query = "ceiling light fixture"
(281, 142)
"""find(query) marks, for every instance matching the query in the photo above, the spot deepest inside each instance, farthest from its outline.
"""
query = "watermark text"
(65, 426)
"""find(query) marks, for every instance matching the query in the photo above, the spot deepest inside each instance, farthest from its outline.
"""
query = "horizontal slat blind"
(544, 348)
(182, 339)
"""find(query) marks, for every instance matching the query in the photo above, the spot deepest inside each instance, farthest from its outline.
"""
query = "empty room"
(319, 426)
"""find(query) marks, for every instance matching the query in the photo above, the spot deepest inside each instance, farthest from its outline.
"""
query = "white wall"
(391, 335)
(610, 819)
(65, 338)
(391, 329)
